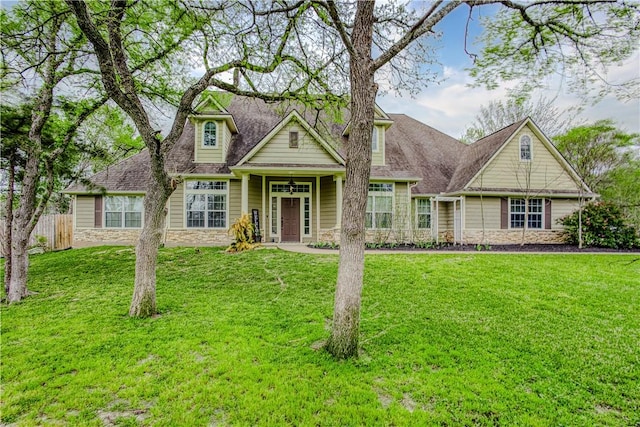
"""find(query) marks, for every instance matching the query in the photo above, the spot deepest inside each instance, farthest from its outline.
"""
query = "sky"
(452, 105)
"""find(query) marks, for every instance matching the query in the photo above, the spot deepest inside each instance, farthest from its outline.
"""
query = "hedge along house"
(287, 169)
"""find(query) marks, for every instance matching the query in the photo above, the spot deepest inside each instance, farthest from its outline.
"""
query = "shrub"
(603, 226)
(243, 233)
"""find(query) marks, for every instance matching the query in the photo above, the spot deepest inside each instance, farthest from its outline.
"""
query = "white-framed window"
(379, 206)
(518, 213)
(423, 213)
(123, 211)
(525, 148)
(206, 204)
(210, 135)
(375, 146)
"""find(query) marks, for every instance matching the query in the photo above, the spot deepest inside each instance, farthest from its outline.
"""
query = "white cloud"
(451, 106)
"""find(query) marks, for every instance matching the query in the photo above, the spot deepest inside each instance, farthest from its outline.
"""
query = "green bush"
(603, 226)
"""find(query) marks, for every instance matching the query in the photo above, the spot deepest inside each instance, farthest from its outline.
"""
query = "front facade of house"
(239, 155)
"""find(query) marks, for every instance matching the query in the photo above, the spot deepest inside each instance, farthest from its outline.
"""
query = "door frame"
(278, 196)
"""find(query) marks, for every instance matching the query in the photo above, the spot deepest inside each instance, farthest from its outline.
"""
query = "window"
(525, 148)
(307, 216)
(123, 211)
(518, 213)
(209, 137)
(293, 139)
(206, 204)
(374, 139)
(379, 206)
(423, 211)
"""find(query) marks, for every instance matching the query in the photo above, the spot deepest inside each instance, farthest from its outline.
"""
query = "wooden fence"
(58, 230)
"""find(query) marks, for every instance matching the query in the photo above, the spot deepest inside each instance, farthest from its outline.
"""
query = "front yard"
(447, 339)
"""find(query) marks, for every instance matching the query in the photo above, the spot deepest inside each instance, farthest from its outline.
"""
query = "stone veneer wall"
(200, 237)
(329, 235)
(105, 236)
(506, 237)
(123, 236)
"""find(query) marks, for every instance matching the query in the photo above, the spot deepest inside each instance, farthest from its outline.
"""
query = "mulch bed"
(550, 248)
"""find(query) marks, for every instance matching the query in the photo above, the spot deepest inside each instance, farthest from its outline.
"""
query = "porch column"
(317, 208)
(264, 209)
(338, 201)
(244, 206)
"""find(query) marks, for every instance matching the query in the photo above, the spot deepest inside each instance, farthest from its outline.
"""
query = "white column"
(244, 206)
(317, 208)
(338, 201)
(263, 218)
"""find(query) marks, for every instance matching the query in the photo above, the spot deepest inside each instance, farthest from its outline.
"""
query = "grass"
(462, 339)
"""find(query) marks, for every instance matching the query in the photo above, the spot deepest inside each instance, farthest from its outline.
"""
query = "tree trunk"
(8, 224)
(22, 226)
(143, 303)
(19, 264)
(343, 342)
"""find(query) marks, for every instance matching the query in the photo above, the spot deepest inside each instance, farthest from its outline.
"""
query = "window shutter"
(97, 212)
(504, 213)
(547, 214)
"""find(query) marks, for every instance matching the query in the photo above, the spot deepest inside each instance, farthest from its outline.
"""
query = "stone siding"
(506, 237)
(105, 236)
(198, 237)
(329, 235)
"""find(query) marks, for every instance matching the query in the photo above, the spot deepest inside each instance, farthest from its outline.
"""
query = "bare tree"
(265, 42)
(532, 33)
(500, 114)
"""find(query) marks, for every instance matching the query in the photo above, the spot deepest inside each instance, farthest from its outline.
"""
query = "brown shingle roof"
(476, 155)
(413, 149)
(416, 149)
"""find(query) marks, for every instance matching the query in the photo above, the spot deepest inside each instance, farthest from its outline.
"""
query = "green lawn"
(462, 339)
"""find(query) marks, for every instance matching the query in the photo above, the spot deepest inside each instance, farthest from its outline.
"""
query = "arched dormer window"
(210, 137)
(525, 148)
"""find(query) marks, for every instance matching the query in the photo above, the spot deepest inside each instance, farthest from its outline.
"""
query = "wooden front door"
(290, 220)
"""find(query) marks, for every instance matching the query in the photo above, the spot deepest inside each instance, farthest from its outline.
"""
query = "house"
(286, 167)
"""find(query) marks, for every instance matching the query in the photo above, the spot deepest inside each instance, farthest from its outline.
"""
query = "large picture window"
(206, 204)
(379, 206)
(423, 212)
(518, 213)
(210, 135)
(123, 211)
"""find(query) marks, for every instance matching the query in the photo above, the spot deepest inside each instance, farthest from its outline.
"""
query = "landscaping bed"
(551, 248)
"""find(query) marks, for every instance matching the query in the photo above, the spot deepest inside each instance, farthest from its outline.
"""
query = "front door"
(290, 220)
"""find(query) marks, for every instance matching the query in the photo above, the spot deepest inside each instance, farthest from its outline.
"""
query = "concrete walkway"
(304, 249)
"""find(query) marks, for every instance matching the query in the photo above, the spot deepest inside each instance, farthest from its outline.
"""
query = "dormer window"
(525, 148)
(210, 137)
(374, 139)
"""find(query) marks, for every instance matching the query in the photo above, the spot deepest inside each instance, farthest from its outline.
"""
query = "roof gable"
(312, 149)
(493, 163)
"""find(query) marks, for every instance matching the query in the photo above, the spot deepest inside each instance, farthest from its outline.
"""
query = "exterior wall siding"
(176, 208)
(377, 157)
(560, 208)
(328, 202)
(84, 213)
(476, 208)
(309, 151)
(235, 201)
(542, 172)
(210, 155)
(255, 193)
